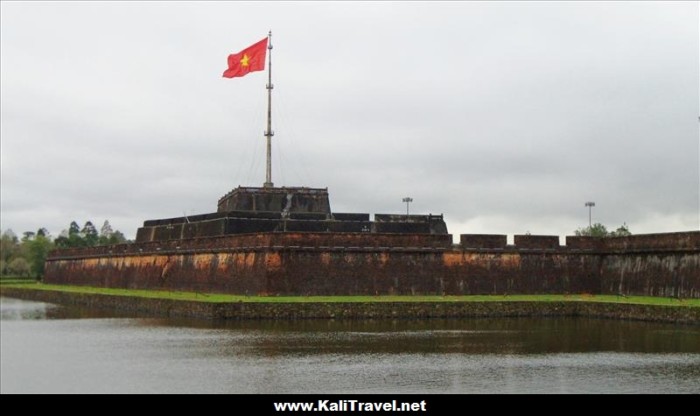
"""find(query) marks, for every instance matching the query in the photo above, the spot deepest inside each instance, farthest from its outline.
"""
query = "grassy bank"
(5, 281)
(17, 279)
(225, 298)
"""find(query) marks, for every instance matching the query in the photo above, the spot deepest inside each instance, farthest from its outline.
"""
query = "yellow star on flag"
(248, 60)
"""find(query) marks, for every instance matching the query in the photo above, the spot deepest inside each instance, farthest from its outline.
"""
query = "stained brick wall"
(536, 241)
(362, 263)
(483, 241)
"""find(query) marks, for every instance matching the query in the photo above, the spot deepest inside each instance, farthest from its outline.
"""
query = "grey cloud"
(506, 115)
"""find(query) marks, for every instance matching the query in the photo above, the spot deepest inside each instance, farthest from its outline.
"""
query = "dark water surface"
(47, 348)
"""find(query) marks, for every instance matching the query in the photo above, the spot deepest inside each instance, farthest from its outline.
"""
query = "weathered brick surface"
(483, 240)
(665, 241)
(584, 243)
(536, 241)
(362, 263)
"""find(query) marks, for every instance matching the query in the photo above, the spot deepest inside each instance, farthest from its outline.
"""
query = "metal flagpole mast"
(269, 133)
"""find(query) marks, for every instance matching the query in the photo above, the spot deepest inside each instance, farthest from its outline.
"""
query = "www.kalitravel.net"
(350, 406)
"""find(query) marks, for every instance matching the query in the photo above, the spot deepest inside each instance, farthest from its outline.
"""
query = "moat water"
(46, 348)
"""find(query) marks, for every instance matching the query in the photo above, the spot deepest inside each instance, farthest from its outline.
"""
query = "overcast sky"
(505, 117)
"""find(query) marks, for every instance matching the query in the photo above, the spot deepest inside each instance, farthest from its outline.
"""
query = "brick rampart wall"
(363, 263)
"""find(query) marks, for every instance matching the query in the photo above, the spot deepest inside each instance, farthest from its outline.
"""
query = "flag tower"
(249, 60)
(269, 133)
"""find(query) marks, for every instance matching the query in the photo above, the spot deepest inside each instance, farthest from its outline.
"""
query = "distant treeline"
(599, 230)
(25, 256)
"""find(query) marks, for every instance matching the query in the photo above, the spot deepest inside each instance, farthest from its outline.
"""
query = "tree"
(10, 235)
(42, 232)
(117, 238)
(599, 230)
(19, 267)
(595, 230)
(73, 229)
(105, 233)
(622, 231)
(106, 229)
(89, 234)
(75, 240)
(9, 246)
(72, 238)
(38, 250)
(62, 242)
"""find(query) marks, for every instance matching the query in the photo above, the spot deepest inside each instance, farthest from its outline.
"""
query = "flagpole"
(269, 133)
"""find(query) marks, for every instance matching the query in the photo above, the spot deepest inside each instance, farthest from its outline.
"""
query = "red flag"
(250, 59)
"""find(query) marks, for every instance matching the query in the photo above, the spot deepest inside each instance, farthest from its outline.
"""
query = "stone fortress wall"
(375, 263)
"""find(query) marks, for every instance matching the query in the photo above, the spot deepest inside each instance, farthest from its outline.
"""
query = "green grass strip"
(7, 280)
(226, 298)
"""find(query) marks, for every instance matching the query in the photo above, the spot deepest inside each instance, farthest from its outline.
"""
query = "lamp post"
(407, 200)
(590, 205)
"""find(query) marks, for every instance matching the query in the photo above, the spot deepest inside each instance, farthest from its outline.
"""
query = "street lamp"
(407, 200)
(590, 205)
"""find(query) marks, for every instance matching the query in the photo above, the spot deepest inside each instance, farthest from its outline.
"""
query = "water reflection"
(15, 309)
(55, 349)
